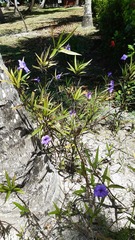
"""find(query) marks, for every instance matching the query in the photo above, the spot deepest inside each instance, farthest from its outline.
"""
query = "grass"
(16, 43)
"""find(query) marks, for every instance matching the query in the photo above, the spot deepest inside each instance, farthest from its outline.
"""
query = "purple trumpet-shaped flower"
(22, 65)
(111, 86)
(58, 76)
(37, 79)
(45, 140)
(88, 95)
(124, 57)
(100, 191)
(109, 74)
(72, 113)
(68, 47)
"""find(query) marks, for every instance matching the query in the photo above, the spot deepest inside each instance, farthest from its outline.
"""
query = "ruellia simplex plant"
(126, 90)
(63, 110)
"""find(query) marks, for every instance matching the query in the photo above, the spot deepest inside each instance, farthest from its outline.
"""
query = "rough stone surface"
(19, 156)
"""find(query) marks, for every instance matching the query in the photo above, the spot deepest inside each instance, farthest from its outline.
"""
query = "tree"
(15, 6)
(1, 15)
(42, 4)
(87, 17)
(32, 2)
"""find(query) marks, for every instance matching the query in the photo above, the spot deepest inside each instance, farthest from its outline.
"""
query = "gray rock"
(18, 156)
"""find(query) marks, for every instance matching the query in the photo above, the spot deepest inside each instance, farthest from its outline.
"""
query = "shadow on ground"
(89, 47)
(11, 17)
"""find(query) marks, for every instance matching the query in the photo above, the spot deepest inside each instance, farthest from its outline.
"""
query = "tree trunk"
(7, 5)
(42, 4)
(87, 17)
(1, 16)
(15, 6)
(77, 3)
(31, 6)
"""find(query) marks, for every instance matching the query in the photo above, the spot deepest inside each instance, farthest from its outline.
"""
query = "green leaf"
(88, 158)
(78, 94)
(6, 188)
(7, 195)
(54, 109)
(131, 220)
(89, 210)
(2, 189)
(106, 176)
(36, 131)
(69, 52)
(24, 209)
(116, 186)
(8, 180)
(19, 190)
(32, 98)
(133, 169)
(61, 42)
(92, 180)
(96, 160)
(57, 210)
(13, 181)
(80, 191)
(130, 47)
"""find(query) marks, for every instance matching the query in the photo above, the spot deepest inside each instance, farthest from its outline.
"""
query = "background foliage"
(115, 20)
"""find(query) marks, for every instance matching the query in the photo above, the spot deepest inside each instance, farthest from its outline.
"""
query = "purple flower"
(22, 65)
(68, 47)
(124, 57)
(111, 86)
(109, 74)
(58, 76)
(37, 79)
(100, 191)
(88, 95)
(45, 140)
(72, 113)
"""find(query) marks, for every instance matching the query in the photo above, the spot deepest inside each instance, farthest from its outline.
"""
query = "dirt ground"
(16, 42)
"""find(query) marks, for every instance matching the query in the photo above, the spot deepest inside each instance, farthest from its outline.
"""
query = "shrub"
(116, 22)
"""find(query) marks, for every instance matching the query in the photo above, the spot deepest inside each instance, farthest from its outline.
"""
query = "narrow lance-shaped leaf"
(80, 191)
(19, 78)
(130, 47)
(106, 176)
(18, 190)
(8, 179)
(65, 40)
(92, 180)
(36, 131)
(132, 168)
(96, 160)
(7, 195)
(131, 220)
(54, 109)
(116, 186)
(32, 98)
(69, 52)
(24, 209)
(88, 158)
(57, 210)
(78, 94)
(13, 181)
